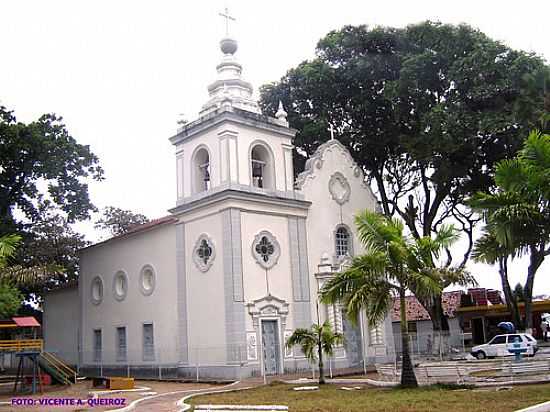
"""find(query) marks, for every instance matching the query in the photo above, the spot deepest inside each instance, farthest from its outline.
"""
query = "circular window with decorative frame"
(266, 249)
(120, 285)
(96, 290)
(147, 280)
(204, 252)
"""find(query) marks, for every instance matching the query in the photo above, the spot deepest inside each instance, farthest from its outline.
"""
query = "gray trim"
(234, 115)
(242, 192)
(235, 336)
(294, 258)
(304, 265)
(181, 295)
(297, 244)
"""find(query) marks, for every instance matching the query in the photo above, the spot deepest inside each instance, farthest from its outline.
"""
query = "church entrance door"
(270, 343)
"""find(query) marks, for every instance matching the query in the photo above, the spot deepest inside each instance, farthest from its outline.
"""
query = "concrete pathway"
(166, 402)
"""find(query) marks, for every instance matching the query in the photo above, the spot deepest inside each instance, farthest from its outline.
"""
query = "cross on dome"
(227, 17)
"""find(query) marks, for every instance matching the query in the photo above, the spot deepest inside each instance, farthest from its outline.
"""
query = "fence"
(218, 362)
(435, 345)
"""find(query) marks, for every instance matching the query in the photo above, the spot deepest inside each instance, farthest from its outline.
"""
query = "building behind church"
(236, 266)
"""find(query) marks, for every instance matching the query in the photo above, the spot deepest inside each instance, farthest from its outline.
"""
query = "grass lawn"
(331, 398)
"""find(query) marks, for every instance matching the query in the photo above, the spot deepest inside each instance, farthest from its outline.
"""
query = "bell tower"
(232, 145)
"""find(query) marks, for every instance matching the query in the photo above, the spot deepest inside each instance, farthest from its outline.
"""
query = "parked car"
(498, 346)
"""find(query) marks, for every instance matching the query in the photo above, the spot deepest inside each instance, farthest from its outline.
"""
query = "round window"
(120, 285)
(97, 290)
(147, 281)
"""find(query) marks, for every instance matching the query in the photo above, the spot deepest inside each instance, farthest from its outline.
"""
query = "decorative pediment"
(268, 305)
(339, 188)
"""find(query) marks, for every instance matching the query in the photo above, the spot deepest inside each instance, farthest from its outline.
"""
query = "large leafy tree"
(517, 213)
(392, 263)
(314, 342)
(118, 221)
(50, 241)
(427, 111)
(42, 154)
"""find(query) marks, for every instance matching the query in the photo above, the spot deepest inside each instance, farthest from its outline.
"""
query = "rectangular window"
(97, 345)
(411, 326)
(121, 343)
(148, 342)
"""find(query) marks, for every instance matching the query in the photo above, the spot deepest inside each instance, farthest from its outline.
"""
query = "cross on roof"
(227, 17)
(331, 129)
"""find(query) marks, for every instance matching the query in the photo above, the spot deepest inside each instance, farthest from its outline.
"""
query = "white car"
(499, 345)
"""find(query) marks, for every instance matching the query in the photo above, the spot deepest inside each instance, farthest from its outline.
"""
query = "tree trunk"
(511, 301)
(408, 378)
(535, 260)
(321, 371)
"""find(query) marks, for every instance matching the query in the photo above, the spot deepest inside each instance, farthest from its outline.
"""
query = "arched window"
(201, 171)
(343, 242)
(261, 166)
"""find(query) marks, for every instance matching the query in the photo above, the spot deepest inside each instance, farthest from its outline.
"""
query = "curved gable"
(344, 165)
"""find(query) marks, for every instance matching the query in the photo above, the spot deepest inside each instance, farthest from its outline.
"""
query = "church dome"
(228, 45)
(229, 89)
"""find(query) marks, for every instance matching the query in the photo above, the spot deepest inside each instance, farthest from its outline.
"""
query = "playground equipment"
(28, 349)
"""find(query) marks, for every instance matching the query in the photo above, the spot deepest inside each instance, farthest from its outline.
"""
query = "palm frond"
(29, 276)
(306, 339)
(8, 245)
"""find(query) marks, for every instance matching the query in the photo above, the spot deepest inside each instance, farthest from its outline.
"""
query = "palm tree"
(316, 341)
(392, 264)
(19, 275)
(517, 214)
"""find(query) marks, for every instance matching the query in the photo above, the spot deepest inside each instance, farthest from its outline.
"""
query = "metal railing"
(20, 345)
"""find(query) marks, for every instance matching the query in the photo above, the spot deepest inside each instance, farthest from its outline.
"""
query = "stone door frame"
(269, 308)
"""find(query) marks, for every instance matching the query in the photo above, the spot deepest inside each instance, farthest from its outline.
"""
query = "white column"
(180, 174)
(228, 156)
(289, 167)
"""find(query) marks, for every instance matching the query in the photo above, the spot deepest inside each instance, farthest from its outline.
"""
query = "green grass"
(436, 398)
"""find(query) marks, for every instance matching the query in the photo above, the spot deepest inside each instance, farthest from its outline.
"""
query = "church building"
(236, 266)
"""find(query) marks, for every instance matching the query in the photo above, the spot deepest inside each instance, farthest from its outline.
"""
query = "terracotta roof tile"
(139, 228)
(415, 311)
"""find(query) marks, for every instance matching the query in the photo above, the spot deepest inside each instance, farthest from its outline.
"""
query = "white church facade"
(236, 266)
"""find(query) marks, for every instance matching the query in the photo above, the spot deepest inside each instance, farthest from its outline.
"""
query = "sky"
(121, 73)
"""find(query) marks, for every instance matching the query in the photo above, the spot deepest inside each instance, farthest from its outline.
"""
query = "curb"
(183, 407)
(541, 407)
(133, 404)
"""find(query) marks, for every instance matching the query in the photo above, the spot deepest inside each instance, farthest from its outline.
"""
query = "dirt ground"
(81, 391)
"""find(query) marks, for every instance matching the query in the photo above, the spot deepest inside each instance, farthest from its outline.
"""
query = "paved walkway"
(167, 402)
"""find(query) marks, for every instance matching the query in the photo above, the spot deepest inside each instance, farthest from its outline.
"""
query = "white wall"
(155, 247)
(325, 214)
(254, 275)
(205, 294)
(60, 323)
